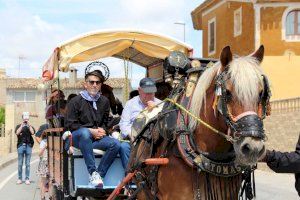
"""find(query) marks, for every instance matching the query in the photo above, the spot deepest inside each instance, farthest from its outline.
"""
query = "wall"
(2, 91)
(271, 33)
(284, 75)
(283, 126)
(242, 44)
(6, 144)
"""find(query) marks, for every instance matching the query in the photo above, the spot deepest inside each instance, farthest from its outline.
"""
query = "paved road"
(272, 186)
(269, 186)
(8, 188)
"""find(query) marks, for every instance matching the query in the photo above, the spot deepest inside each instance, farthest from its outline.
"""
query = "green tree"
(2, 115)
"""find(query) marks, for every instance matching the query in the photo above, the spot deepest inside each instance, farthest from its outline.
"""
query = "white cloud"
(27, 35)
(34, 29)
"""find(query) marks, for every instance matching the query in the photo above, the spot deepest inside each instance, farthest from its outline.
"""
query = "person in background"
(285, 162)
(40, 132)
(87, 118)
(133, 93)
(71, 96)
(145, 100)
(51, 109)
(42, 170)
(60, 108)
(24, 132)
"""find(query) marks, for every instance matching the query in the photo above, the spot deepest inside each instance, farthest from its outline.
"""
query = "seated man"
(87, 117)
(145, 100)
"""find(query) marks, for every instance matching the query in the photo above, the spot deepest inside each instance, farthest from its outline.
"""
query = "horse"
(212, 144)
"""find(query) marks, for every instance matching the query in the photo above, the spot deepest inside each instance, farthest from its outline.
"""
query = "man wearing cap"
(24, 132)
(145, 100)
(87, 118)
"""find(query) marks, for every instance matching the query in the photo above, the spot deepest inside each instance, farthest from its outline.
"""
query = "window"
(30, 96)
(212, 36)
(237, 22)
(19, 96)
(293, 23)
(22, 96)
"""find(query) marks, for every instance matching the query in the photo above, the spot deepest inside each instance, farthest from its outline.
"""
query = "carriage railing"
(286, 105)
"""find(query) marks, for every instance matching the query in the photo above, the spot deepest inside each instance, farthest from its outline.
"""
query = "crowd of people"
(97, 120)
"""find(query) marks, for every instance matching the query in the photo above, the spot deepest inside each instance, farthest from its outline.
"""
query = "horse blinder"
(250, 125)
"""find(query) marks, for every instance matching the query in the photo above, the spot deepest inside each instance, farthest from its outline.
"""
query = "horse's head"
(237, 99)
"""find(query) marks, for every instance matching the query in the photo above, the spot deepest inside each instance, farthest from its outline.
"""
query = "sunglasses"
(93, 82)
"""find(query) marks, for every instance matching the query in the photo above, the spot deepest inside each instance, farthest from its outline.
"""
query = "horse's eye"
(228, 95)
(260, 95)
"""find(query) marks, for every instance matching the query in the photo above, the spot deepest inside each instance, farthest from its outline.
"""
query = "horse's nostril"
(246, 149)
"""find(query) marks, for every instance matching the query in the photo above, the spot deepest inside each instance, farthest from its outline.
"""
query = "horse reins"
(227, 137)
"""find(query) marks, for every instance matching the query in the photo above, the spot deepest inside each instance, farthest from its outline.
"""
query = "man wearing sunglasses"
(87, 118)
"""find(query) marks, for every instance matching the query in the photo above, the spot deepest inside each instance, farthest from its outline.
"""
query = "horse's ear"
(259, 54)
(226, 56)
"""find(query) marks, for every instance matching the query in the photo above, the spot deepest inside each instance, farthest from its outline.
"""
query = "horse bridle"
(247, 124)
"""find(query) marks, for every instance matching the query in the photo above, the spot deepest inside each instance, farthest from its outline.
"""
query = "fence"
(2, 130)
(285, 105)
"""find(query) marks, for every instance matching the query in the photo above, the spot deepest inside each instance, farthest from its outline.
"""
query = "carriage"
(206, 139)
(68, 176)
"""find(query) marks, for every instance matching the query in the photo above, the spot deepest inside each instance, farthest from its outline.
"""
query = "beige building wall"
(2, 92)
(271, 33)
(262, 23)
(224, 14)
(284, 75)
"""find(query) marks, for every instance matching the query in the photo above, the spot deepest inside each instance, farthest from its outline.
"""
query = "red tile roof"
(31, 83)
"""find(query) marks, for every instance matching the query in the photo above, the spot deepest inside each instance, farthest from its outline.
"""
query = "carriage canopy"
(143, 48)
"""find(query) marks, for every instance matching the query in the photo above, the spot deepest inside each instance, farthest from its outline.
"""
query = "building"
(25, 94)
(245, 25)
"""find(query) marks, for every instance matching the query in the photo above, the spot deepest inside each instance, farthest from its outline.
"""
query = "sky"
(31, 29)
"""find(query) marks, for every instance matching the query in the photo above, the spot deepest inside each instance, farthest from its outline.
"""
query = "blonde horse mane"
(244, 73)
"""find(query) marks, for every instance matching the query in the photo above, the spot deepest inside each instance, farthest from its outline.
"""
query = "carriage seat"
(77, 151)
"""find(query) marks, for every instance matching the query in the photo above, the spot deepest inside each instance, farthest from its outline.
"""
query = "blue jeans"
(24, 150)
(83, 139)
(125, 153)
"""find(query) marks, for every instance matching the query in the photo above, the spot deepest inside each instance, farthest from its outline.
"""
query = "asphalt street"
(269, 186)
(9, 190)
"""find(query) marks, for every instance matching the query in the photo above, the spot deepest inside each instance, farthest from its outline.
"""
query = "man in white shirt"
(133, 107)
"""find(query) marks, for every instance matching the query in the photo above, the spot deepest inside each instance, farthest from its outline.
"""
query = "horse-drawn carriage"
(68, 176)
(206, 138)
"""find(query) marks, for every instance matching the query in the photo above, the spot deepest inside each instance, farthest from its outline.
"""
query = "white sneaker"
(19, 181)
(27, 182)
(96, 180)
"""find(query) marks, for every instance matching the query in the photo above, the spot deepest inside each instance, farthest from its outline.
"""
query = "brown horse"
(232, 97)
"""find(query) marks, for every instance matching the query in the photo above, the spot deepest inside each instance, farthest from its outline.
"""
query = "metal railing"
(285, 105)
(2, 130)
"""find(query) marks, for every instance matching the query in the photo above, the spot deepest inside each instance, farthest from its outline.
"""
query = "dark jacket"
(25, 137)
(287, 162)
(80, 113)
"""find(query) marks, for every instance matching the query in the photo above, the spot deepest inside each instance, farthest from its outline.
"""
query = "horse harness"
(184, 138)
(248, 123)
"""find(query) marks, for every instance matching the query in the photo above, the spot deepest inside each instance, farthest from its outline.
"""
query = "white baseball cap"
(25, 115)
